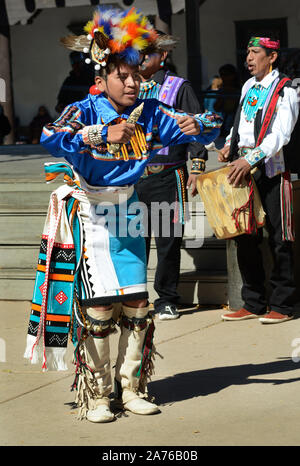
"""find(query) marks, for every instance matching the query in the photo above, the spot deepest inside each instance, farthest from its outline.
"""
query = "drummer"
(246, 148)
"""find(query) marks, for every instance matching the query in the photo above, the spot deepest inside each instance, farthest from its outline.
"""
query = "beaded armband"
(198, 166)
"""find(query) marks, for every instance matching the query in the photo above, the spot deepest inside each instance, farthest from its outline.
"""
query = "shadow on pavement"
(205, 382)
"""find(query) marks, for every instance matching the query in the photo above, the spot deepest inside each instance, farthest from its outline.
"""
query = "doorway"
(262, 27)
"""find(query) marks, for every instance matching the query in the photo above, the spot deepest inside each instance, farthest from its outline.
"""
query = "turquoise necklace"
(254, 101)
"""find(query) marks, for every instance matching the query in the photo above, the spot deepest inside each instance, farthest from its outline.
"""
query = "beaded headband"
(112, 31)
(264, 42)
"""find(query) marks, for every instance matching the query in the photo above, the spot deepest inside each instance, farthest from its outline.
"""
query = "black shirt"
(187, 101)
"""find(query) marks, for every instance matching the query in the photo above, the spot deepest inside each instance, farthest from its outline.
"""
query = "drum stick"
(212, 147)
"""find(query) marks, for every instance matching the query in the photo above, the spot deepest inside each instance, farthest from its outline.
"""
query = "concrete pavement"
(219, 383)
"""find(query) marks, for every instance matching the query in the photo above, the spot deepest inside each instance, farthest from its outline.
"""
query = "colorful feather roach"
(127, 33)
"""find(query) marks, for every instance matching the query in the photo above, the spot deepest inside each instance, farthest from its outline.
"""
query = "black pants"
(162, 188)
(249, 255)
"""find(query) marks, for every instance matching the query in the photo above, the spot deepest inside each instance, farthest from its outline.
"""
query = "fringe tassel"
(137, 141)
(55, 356)
(55, 207)
(32, 351)
(84, 382)
(180, 212)
(79, 357)
(286, 204)
(249, 205)
(138, 144)
(146, 368)
(56, 359)
(84, 387)
(81, 398)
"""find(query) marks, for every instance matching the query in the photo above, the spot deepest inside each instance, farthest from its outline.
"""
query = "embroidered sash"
(167, 95)
(286, 194)
(51, 316)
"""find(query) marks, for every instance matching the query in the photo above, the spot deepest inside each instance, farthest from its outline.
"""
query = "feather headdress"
(165, 42)
(112, 31)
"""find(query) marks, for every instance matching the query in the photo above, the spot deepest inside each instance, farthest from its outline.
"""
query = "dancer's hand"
(120, 133)
(188, 125)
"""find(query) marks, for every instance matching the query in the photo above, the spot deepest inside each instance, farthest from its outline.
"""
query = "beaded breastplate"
(254, 101)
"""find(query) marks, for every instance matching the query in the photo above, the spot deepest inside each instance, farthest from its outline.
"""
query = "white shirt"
(281, 127)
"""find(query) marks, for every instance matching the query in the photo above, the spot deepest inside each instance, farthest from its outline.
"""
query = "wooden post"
(6, 95)
(192, 24)
(163, 20)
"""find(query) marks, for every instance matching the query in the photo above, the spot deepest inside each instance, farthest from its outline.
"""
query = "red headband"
(264, 42)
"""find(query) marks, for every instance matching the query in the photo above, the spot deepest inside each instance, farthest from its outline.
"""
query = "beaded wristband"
(255, 156)
(95, 134)
(198, 166)
(92, 135)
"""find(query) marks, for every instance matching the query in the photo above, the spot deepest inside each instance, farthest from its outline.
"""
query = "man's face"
(151, 64)
(259, 62)
(121, 86)
(216, 83)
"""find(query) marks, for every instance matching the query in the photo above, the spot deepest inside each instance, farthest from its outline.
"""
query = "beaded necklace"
(254, 101)
(149, 90)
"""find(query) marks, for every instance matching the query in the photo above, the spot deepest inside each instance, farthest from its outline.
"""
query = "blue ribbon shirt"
(95, 164)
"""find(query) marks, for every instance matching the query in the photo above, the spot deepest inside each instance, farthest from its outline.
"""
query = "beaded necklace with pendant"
(254, 101)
